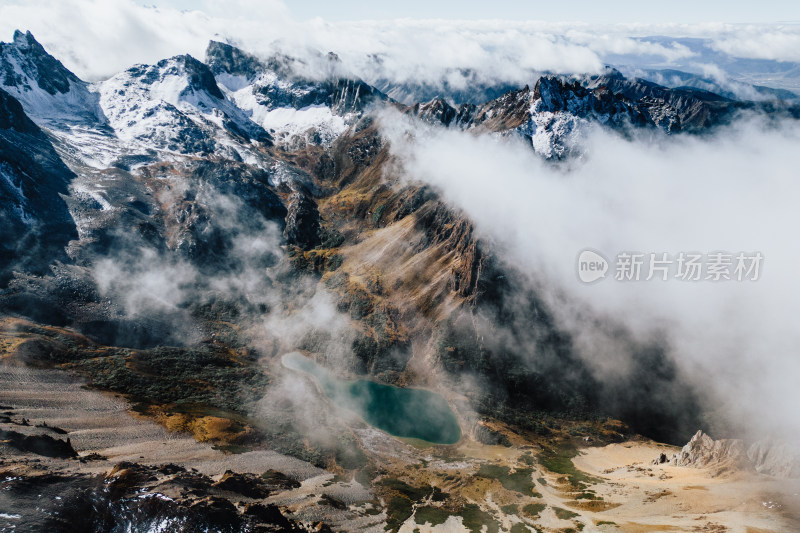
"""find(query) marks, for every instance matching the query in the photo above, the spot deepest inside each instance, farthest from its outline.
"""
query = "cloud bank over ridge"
(99, 38)
(733, 191)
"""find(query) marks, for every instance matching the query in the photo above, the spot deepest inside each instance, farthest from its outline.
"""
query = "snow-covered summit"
(176, 105)
(49, 92)
(277, 95)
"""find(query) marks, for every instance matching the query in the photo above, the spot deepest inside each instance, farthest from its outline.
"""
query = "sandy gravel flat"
(673, 498)
(636, 496)
(101, 423)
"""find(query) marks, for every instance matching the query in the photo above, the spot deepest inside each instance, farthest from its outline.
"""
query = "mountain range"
(190, 215)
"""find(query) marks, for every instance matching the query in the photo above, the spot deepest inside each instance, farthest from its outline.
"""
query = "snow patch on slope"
(277, 105)
(288, 122)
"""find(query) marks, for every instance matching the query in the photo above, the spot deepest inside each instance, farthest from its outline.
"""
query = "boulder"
(247, 485)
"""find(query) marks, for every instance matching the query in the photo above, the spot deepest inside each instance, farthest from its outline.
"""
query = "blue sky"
(594, 11)
(686, 11)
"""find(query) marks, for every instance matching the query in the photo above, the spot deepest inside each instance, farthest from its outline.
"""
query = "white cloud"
(734, 191)
(614, 41)
(97, 38)
(779, 43)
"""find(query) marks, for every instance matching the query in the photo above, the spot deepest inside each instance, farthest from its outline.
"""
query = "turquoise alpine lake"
(411, 413)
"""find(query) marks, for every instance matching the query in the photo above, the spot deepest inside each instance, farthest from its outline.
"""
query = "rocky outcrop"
(507, 112)
(352, 96)
(486, 435)
(437, 111)
(302, 221)
(277, 83)
(256, 487)
(247, 485)
(200, 76)
(552, 113)
(769, 457)
(550, 116)
(444, 226)
(704, 452)
(145, 498)
(223, 58)
(50, 93)
(557, 95)
(42, 444)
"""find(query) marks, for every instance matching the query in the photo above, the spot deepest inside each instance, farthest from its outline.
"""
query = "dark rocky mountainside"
(35, 225)
(693, 109)
(48, 90)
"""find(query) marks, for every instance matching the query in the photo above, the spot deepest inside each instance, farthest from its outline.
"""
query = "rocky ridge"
(770, 457)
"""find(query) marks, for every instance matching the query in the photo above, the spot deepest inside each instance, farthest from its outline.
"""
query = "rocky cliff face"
(676, 109)
(13, 117)
(704, 452)
(35, 225)
(302, 221)
(149, 497)
(770, 457)
(550, 116)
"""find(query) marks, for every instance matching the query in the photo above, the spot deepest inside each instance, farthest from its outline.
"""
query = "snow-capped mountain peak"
(175, 105)
(49, 92)
(296, 108)
(35, 66)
